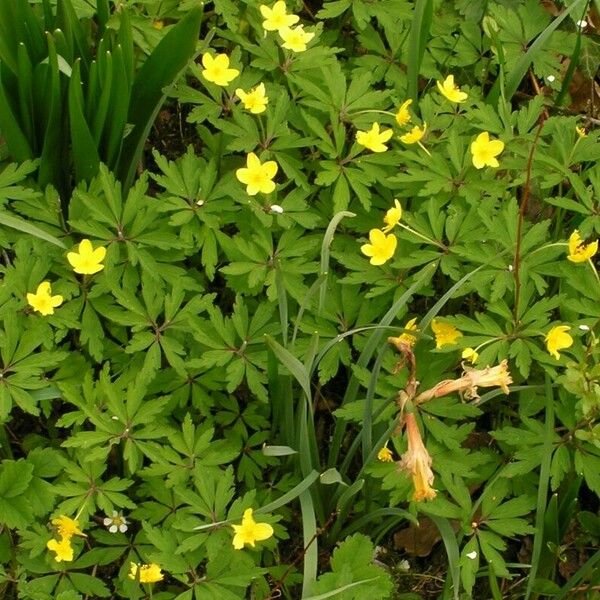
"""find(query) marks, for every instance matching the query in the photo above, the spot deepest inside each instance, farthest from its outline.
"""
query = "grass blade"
(514, 78)
(367, 425)
(301, 488)
(160, 70)
(314, 288)
(85, 151)
(327, 239)
(292, 364)
(340, 590)
(25, 227)
(435, 309)
(13, 135)
(452, 552)
(367, 353)
(311, 547)
(538, 541)
(101, 111)
(573, 64)
(587, 569)
(119, 101)
(51, 168)
(417, 42)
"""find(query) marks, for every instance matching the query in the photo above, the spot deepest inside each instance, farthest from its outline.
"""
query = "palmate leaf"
(353, 576)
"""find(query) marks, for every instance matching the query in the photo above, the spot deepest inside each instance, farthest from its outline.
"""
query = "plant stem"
(522, 211)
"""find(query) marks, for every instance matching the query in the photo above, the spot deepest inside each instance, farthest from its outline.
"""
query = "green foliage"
(74, 104)
(353, 573)
(231, 353)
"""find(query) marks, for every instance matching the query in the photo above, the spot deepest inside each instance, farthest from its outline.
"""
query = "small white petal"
(404, 565)
(113, 529)
(275, 208)
(582, 23)
(550, 78)
(199, 202)
(115, 418)
(123, 528)
(472, 555)
(107, 521)
(584, 327)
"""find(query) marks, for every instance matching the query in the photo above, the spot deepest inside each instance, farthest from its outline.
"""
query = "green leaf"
(17, 142)
(418, 38)
(354, 576)
(294, 366)
(14, 477)
(26, 227)
(520, 69)
(85, 151)
(160, 70)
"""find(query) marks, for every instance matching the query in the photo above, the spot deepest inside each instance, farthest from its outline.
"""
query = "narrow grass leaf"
(538, 540)
(340, 590)
(325, 252)
(292, 364)
(367, 353)
(417, 42)
(435, 309)
(310, 542)
(85, 153)
(159, 71)
(452, 551)
(15, 138)
(26, 227)
(514, 78)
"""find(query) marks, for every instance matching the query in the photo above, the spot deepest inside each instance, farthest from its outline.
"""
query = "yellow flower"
(445, 334)
(67, 527)
(147, 573)
(276, 18)
(381, 248)
(43, 301)
(392, 217)
(258, 177)
(403, 116)
(255, 100)
(216, 70)
(158, 25)
(63, 549)
(250, 531)
(415, 135)
(470, 354)
(374, 139)
(87, 261)
(578, 251)
(385, 454)
(581, 132)
(450, 90)
(406, 338)
(295, 39)
(558, 339)
(484, 151)
(417, 461)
